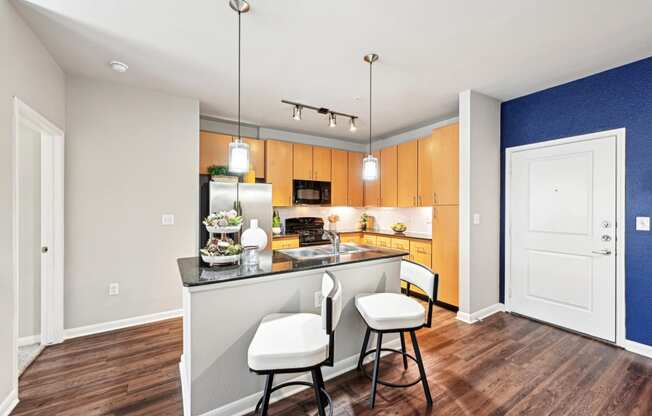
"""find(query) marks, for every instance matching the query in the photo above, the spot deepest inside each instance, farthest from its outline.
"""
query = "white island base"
(220, 320)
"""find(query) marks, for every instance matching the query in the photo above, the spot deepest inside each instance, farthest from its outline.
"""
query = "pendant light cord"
(370, 114)
(239, 53)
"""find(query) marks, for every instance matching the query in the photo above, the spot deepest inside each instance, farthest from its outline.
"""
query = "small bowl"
(228, 229)
(399, 229)
(212, 260)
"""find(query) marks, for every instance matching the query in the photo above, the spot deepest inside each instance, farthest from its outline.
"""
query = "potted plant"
(223, 222)
(276, 223)
(364, 218)
(221, 174)
(221, 251)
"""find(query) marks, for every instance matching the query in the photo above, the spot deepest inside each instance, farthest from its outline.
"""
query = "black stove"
(310, 230)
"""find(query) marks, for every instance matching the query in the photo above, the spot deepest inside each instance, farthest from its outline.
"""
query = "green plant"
(276, 219)
(363, 220)
(216, 170)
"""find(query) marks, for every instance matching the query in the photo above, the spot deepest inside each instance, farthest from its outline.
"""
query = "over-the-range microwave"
(311, 192)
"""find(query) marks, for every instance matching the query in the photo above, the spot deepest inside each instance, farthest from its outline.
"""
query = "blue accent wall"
(620, 97)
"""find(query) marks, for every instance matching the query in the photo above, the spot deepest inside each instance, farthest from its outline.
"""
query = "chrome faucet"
(334, 238)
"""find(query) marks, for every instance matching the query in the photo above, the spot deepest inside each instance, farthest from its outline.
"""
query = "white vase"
(254, 236)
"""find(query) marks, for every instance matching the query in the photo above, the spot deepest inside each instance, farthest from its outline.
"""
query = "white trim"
(621, 330)
(185, 391)
(247, 404)
(52, 301)
(638, 348)
(481, 314)
(9, 403)
(122, 323)
(29, 340)
(464, 259)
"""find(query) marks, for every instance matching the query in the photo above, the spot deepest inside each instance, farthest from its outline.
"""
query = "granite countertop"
(391, 233)
(194, 272)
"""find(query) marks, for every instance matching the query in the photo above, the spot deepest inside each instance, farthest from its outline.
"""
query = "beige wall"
(131, 156)
(28, 71)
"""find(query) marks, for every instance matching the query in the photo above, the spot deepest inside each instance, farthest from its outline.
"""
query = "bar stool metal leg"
(374, 382)
(318, 392)
(322, 386)
(404, 350)
(267, 394)
(422, 371)
(364, 347)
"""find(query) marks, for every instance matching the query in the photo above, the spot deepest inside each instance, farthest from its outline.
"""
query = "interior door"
(562, 216)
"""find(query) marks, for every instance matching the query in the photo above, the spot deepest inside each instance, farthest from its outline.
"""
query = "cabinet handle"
(434, 197)
(434, 212)
(414, 200)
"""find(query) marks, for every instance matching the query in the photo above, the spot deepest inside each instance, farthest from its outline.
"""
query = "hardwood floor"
(505, 365)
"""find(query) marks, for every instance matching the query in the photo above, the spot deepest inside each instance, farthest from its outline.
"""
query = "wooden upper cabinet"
(321, 164)
(302, 161)
(425, 192)
(257, 149)
(356, 185)
(388, 176)
(445, 251)
(446, 167)
(278, 171)
(339, 177)
(372, 188)
(407, 174)
(213, 150)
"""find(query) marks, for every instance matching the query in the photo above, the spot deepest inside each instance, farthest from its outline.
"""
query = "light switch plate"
(642, 223)
(476, 219)
(114, 289)
(167, 219)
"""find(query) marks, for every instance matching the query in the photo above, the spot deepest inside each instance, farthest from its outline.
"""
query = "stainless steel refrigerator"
(255, 202)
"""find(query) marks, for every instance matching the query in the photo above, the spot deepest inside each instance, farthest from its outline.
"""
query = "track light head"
(332, 122)
(352, 125)
(296, 113)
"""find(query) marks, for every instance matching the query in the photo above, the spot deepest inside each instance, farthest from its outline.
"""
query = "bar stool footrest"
(387, 383)
(298, 383)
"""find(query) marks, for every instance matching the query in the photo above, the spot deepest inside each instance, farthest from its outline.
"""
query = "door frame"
(620, 135)
(52, 155)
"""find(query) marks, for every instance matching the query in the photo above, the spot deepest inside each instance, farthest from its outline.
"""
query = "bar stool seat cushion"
(288, 341)
(388, 311)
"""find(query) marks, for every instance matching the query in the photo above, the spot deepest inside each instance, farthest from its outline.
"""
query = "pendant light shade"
(238, 157)
(370, 163)
(238, 150)
(370, 168)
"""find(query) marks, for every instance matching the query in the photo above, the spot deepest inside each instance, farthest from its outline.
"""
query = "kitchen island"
(224, 305)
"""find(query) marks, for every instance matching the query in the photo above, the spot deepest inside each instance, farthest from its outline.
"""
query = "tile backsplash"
(418, 220)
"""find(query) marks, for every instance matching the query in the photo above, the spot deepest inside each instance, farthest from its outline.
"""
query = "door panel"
(445, 251)
(407, 174)
(213, 150)
(446, 165)
(302, 162)
(560, 198)
(321, 164)
(356, 185)
(388, 176)
(372, 188)
(257, 148)
(425, 191)
(339, 177)
(278, 171)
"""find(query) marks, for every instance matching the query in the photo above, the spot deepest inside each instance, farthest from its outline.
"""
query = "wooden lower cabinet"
(445, 251)
(285, 242)
(400, 244)
(383, 242)
(420, 252)
(355, 238)
(369, 239)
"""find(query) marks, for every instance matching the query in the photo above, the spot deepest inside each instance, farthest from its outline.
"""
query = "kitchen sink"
(315, 252)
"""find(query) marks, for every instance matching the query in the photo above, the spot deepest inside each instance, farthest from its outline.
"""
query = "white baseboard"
(638, 348)
(474, 317)
(119, 324)
(185, 397)
(247, 404)
(9, 403)
(30, 340)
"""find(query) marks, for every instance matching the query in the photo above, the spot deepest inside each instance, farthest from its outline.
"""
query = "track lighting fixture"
(296, 113)
(332, 115)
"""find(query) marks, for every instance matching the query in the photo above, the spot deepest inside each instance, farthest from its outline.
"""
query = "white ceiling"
(311, 51)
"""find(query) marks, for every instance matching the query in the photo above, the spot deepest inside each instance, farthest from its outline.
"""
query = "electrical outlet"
(317, 299)
(167, 219)
(114, 289)
(642, 223)
(476, 219)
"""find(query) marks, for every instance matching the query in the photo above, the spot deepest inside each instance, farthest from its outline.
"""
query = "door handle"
(603, 252)
(44, 249)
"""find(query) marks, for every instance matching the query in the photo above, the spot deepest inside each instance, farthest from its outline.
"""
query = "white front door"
(562, 213)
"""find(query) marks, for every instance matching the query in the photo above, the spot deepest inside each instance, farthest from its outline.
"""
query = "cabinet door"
(445, 251)
(421, 252)
(278, 171)
(356, 185)
(213, 150)
(388, 176)
(302, 161)
(257, 149)
(446, 168)
(400, 244)
(321, 164)
(339, 177)
(425, 193)
(369, 239)
(407, 174)
(372, 188)
(384, 242)
(351, 238)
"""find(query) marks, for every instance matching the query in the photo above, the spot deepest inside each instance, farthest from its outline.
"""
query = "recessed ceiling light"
(118, 66)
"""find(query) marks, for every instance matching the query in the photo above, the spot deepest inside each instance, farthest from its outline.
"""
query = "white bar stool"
(391, 313)
(296, 343)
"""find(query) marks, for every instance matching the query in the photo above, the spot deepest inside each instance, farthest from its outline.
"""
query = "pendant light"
(370, 163)
(239, 153)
